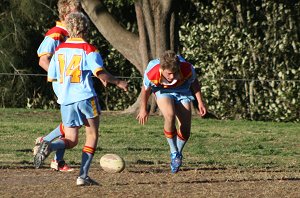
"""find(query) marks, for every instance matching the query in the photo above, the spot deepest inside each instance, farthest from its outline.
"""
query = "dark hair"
(170, 61)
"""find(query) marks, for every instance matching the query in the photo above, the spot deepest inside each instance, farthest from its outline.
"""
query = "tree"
(18, 24)
(157, 31)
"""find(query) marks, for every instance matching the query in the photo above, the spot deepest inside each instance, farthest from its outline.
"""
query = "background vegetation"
(246, 54)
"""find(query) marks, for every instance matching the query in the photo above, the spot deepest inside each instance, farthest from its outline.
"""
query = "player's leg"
(71, 126)
(70, 140)
(91, 110)
(56, 133)
(184, 117)
(166, 106)
(58, 163)
(88, 151)
(69, 131)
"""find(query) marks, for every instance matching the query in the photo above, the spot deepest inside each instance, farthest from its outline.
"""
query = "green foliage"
(24, 27)
(246, 54)
(111, 97)
(120, 67)
(21, 29)
(248, 58)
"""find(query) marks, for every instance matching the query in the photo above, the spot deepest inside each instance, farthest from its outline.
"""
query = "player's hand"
(202, 109)
(123, 85)
(103, 82)
(142, 117)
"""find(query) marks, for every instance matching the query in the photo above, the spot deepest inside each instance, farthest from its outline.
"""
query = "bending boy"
(172, 81)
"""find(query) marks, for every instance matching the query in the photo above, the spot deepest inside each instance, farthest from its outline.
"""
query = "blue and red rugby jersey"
(72, 65)
(55, 36)
(181, 84)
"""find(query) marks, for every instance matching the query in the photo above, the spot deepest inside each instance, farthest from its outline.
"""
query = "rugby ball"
(112, 163)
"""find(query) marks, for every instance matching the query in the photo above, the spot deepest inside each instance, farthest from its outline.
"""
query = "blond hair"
(169, 60)
(76, 23)
(65, 7)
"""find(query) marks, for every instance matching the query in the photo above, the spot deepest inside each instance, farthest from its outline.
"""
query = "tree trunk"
(156, 27)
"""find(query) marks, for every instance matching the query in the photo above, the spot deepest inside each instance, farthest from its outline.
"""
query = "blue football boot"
(176, 161)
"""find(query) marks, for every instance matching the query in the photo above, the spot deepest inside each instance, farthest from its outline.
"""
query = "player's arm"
(105, 76)
(52, 75)
(45, 61)
(143, 113)
(195, 86)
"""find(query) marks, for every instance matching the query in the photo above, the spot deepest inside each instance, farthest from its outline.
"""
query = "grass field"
(222, 159)
(213, 143)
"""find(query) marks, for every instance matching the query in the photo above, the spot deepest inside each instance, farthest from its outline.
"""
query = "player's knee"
(74, 143)
(70, 143)
(169, 118)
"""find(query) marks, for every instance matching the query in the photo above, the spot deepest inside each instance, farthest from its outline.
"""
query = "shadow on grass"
(25, 150)
(210, 181)
(29, 165)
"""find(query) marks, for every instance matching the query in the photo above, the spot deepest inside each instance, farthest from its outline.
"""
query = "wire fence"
(136, 77)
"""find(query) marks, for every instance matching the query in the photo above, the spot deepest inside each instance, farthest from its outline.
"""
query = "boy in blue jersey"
(55, 36)
(172, 80)
(72, 66)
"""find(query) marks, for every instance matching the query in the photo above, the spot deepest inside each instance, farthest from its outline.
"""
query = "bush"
(247, 56)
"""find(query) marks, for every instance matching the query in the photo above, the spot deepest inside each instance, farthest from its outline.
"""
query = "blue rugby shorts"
(178, 97)
(75, 114)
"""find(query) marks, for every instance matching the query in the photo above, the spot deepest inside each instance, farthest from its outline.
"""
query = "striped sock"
(171, 138)
(86, 160)
(181, 140)
(57, 132)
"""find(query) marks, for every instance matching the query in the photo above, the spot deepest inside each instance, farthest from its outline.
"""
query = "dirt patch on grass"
(150, 181)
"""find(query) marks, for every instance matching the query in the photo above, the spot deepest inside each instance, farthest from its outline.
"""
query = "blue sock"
(180, 144)
(171, 138)
(173, 144)
(86, 160)
(59, 155)
(57, 145)
(53, 134)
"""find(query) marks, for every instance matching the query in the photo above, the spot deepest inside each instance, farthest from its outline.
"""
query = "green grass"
(213, 143)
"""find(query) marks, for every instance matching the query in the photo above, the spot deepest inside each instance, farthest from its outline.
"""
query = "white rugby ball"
(112, 163)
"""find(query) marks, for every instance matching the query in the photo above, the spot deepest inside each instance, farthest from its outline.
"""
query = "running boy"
(172, 81)
(53, 38)
(72, 66)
